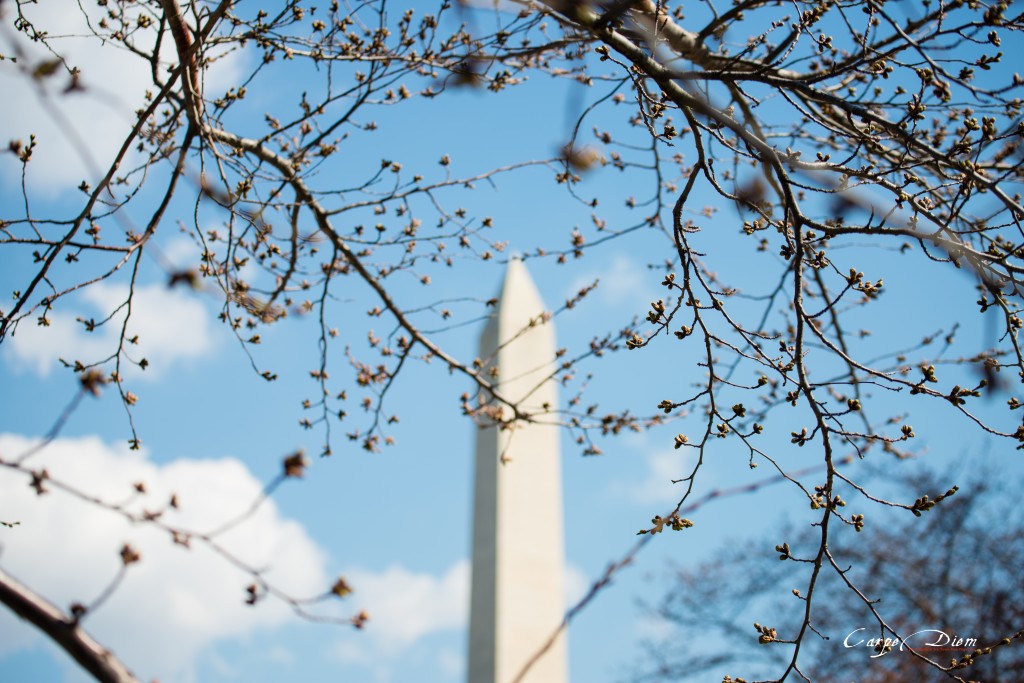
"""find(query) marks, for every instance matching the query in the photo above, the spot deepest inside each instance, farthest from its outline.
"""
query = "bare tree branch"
(64, 630)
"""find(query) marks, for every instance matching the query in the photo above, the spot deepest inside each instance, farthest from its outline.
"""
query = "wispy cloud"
(656, 487)
(406, 606)
(171, 325)
(577, 583)
(624, 283)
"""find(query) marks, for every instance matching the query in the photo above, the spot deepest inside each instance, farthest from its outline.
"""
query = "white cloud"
(172, 325)
(577, 584)
(623, 283)
(656, 487)
(181, 253)
(95, 119)
(654, 627)
(405, 606)
(175, 603)
(452, 664)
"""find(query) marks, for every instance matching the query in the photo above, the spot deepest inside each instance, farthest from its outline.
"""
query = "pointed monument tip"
(518, 283)
(518, 296)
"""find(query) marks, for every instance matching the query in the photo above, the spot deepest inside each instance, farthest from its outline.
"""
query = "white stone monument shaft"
(518, 557)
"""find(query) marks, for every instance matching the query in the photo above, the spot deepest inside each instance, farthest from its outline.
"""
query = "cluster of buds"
(768, 635)
(674, 522)
(924, 503)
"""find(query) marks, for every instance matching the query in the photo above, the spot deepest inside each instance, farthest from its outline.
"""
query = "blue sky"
(396, 524)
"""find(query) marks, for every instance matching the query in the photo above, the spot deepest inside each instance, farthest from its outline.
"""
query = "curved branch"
(64, 630)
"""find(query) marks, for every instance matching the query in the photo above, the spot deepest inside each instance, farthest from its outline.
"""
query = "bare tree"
(952, 597)
(839, 140)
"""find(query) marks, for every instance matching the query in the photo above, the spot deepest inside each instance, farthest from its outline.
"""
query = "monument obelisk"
(516, 601)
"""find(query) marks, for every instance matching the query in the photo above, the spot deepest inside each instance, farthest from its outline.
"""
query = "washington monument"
(516, 601)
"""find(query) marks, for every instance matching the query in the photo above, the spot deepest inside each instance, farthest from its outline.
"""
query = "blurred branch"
(64, 631)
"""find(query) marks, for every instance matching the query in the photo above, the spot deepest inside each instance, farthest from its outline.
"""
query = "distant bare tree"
(837, 131)
(949, 581)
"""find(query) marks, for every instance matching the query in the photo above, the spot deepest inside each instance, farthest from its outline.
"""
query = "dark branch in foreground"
(64, 631)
